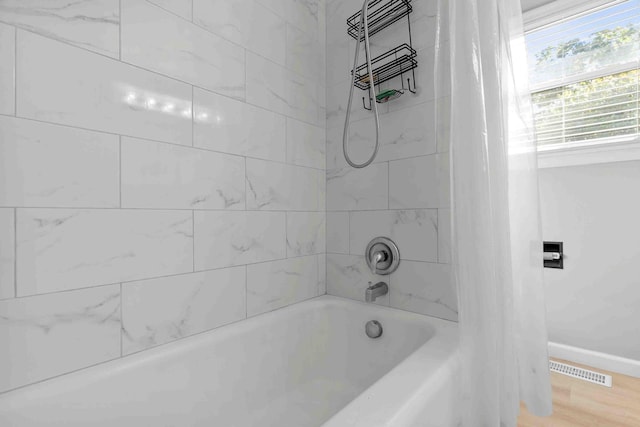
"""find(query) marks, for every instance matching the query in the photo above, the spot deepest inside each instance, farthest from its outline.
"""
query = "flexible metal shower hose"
(364, 24)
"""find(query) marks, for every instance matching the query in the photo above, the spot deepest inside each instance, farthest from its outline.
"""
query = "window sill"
(578, 155)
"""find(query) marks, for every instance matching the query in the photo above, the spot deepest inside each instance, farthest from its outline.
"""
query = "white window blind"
(584, 75)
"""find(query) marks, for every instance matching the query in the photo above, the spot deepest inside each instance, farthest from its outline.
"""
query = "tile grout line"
(222, 37)
(438, 236)
(179, 80)
(246, 291)
(246, 195)
(120, 171)
(118, 358)
(245, 76)
(184, 209)
(419, 261)
(121, 323)
(15, 71)
(15, 252)
(150, 2)
(349, 231)
(150, 140)
(184, 273)
(286, 236)
(193, 239)
(120, 30)
(388, 185)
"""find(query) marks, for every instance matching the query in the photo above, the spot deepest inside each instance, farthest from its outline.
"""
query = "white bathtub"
(300, 366)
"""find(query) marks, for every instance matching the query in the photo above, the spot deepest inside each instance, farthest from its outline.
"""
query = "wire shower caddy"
(395, 62)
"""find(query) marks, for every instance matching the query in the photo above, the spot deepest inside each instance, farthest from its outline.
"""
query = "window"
(584, 74)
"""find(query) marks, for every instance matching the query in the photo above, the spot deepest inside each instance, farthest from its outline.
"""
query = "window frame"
(602, 150)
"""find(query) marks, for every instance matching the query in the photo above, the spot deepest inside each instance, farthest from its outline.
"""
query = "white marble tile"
(305, 144)
(423, 30)
(37, 171)
(362, 141)
(245, 22)
(157, 40)
(278, 186)
(7, 67)
(322, 23)
(403, 134)
(224, 239)
(414, 231)
(443, 135)
(49, 335)
(419, 182)
(157, 311)
(276, 284)
(350, 189)
(158, 175)
(335, 156)
(92, 25)
(321, 120)
(339, 61)
(408, 133)
(424, 288)
(337, 102)
(231, 126)
(348, 276)
(337, 12)
(181, 8)
(305, 54)
(274, 87)
(338, 9)
(322, 274)
(321, 178)
(360, 145)
(7, 253)
(426, 86)
(413, 183)
(338, 232)
(62, 249)
(269, 84)
(304, 14)
(305, 233)
(444, 235)
(62, 84)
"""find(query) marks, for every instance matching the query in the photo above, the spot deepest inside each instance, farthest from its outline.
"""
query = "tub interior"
(297, 366)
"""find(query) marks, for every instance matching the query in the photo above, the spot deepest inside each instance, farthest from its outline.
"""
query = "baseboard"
(595, 359)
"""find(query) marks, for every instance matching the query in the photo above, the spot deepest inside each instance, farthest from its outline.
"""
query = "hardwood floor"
(579, 403)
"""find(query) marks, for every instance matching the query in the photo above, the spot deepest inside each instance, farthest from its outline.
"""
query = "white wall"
(162, 173)
(594, 302)
(404, 194)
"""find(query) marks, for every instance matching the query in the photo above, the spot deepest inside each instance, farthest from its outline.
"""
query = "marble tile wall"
(404, 194)
(163, 173)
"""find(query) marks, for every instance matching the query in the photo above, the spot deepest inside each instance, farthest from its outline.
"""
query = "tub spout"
(375, 291)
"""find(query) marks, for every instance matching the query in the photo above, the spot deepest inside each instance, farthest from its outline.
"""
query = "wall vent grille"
(583, 374)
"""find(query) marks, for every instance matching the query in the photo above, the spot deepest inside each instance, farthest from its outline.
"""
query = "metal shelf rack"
(381, 14)
(390, 64)
(395, 62)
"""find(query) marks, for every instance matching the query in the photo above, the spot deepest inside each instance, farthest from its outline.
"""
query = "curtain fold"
(495, 215)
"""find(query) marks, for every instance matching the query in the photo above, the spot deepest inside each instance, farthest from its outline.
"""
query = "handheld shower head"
(363, 26)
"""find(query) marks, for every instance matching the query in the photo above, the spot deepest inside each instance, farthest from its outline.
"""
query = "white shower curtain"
(496, 234)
